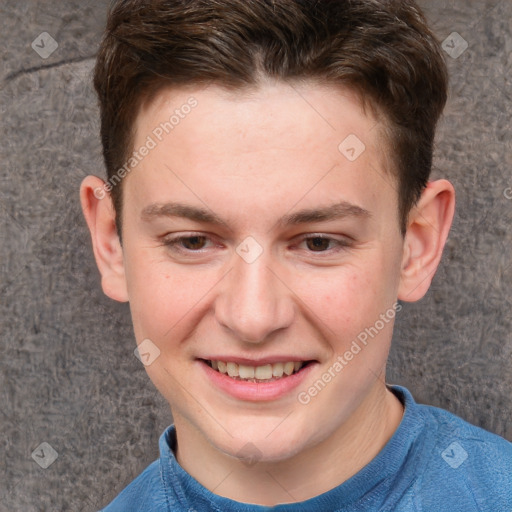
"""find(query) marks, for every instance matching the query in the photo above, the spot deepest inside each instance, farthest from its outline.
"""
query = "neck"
(311, 472)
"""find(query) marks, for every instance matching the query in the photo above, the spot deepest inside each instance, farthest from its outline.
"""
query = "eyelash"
(173, 243)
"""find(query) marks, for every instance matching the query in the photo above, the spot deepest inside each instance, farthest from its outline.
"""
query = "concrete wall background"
(68, 375)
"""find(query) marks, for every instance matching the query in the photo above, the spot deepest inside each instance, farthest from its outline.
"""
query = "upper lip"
(256, 362)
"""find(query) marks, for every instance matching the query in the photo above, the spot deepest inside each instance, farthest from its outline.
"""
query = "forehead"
(252, 117)
(276, 140)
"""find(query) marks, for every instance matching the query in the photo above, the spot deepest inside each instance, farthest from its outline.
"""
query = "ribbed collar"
(383, 474)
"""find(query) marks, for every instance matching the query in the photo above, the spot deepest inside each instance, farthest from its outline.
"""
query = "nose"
(253, 301)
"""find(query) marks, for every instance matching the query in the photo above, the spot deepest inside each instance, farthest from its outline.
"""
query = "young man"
(267, 206)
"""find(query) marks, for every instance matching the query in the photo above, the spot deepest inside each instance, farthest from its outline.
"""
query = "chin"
(261, 443)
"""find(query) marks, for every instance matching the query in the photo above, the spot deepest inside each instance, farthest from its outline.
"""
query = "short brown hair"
(381, 49)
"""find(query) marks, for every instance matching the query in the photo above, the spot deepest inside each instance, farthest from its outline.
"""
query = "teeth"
(277, 370)
(246, 372)
(232, 369)
(265, 372)
(288, 368)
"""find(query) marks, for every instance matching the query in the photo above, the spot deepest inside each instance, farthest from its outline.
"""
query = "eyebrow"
(335, 211)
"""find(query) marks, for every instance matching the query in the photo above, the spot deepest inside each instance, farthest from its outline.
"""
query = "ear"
(427, 230)
(100, 215)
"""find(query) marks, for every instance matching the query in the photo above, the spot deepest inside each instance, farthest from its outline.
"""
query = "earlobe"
(428, 227)
(99, 214)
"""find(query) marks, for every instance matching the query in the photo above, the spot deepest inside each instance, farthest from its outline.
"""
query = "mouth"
(265, 373)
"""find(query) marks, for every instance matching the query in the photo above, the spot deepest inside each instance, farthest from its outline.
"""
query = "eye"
(321, 243)
(318, 243)
(195, 243)
(188, 243)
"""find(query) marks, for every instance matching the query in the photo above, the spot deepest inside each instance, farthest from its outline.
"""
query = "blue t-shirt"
(434, 462)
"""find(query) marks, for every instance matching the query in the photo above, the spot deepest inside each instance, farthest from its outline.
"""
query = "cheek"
(161, 295)
(350, 299)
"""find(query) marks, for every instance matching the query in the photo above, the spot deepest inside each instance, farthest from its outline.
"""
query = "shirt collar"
(183, 489)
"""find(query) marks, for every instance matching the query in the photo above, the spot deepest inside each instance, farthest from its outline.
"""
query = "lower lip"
(256, 391)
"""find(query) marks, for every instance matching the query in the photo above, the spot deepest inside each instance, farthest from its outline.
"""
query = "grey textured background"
(68, 373)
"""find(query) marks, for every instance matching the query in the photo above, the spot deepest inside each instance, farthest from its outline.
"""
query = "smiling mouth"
(264, 373)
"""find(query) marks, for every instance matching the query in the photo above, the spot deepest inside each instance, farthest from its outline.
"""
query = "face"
(256, 234)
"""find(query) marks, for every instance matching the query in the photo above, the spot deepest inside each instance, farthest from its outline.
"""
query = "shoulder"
(481, 446)
(465, 463)
(145, 493)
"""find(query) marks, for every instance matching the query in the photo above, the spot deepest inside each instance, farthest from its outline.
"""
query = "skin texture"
(251, 158)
